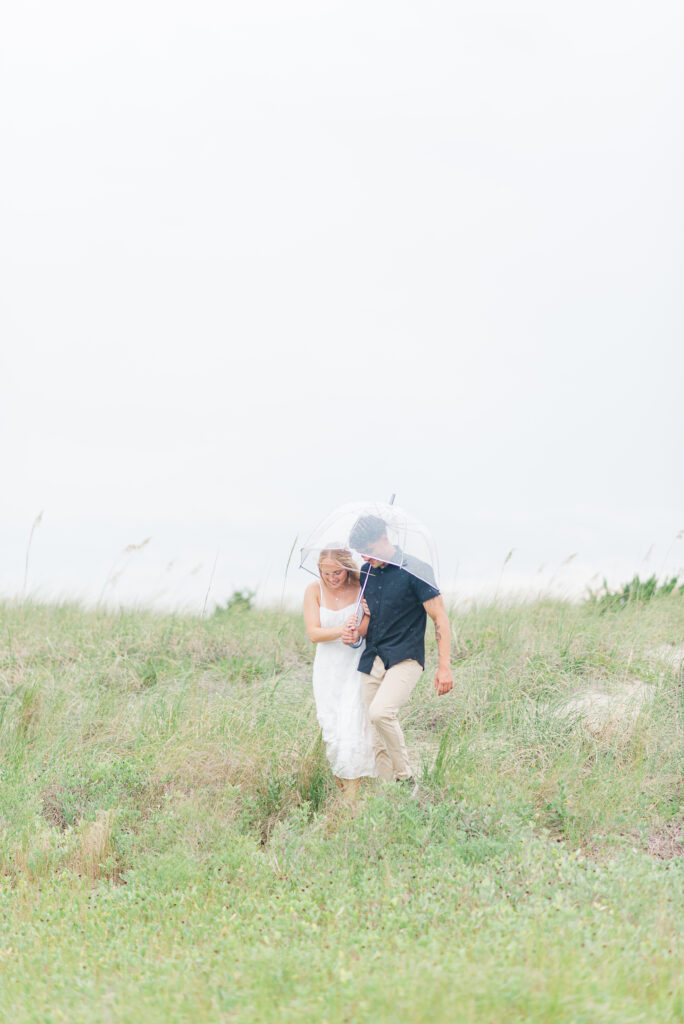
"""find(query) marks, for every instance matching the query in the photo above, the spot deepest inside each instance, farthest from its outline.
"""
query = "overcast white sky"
(262, 258)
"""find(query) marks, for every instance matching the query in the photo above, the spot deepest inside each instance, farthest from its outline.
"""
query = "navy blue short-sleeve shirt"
(396, 631)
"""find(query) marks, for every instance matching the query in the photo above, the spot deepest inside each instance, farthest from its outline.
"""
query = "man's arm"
(435, 608)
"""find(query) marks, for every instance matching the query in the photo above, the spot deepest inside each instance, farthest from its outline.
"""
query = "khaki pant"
(385, 691)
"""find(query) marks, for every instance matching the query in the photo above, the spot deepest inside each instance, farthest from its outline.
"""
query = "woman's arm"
(312, 618)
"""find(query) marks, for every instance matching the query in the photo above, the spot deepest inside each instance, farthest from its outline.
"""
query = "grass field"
(172, 850)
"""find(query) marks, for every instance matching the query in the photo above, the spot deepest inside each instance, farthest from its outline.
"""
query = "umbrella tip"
(391, 501)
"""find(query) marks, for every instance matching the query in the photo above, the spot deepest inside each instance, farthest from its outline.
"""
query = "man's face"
(377, 552)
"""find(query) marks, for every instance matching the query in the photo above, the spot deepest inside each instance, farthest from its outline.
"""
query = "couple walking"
(358, 695)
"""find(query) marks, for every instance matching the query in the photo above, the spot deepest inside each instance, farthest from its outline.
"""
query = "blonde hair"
(344, 558)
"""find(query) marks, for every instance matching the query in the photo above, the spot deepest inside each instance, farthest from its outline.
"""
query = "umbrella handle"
(359, 620)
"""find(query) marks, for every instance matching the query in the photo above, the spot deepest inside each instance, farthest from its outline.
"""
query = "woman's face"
(332, 573)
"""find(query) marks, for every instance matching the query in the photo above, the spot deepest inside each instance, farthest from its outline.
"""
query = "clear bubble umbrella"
(412, 546)
(407, 542)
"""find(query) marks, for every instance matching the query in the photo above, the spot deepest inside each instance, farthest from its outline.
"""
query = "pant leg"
(391, 693)
(370, 683)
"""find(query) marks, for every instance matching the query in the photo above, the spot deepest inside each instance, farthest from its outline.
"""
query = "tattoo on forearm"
(438, 635)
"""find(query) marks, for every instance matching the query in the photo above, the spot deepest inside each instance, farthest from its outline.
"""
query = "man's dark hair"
(365, 531)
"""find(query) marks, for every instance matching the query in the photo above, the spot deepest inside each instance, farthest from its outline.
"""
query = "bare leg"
(351, 790)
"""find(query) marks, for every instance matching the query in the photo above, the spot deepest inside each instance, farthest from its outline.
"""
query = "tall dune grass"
(171, 847)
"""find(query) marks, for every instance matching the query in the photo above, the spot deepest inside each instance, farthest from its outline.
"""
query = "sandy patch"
(604, 715)
(671, 654)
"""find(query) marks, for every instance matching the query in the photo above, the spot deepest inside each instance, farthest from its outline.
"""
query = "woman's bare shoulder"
(313, 590)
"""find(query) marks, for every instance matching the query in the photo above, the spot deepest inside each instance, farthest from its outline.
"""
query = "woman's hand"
(350, 633)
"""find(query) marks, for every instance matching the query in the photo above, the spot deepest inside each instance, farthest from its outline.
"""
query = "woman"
(329, 612)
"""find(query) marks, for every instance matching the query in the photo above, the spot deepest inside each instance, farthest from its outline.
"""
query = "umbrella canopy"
(349, 527)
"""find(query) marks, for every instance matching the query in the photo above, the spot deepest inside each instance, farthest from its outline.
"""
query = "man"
(399, 600)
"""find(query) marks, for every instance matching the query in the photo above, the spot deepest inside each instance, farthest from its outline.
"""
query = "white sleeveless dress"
(339, 705)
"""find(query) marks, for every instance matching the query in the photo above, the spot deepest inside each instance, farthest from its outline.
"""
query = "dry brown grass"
(94, 858)
(666, 842)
